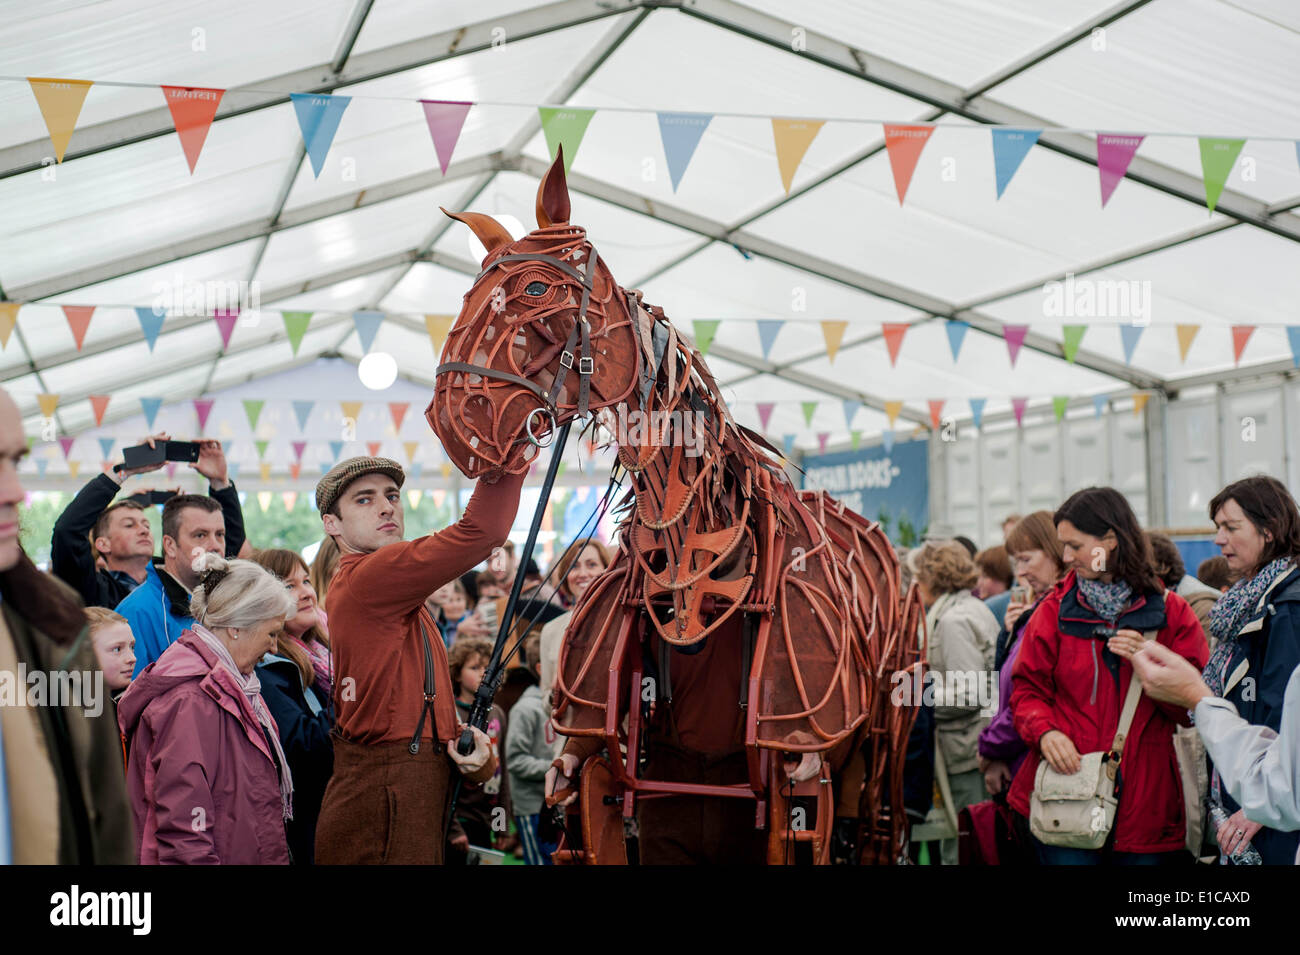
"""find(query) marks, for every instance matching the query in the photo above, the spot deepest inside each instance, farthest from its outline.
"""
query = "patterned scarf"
(1109, 600)
(1231, 612)
(252, 689)
(321, 663)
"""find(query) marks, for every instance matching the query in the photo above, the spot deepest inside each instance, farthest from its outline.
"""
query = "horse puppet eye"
(535, 288)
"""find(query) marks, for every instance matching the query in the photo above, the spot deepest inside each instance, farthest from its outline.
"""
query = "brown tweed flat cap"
(345, 472)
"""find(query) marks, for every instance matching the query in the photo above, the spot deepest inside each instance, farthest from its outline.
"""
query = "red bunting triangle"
(79, 321)
(398, 410)
(936, 410)
(893, 332)
(295, 469)
(1240, 335)
(192, 111)
(99, 404)
(904, 144)
(373, 447)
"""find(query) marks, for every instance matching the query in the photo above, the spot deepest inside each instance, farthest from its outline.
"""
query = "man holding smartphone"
(93, 525)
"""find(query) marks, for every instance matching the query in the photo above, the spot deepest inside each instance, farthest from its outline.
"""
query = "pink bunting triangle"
(822, 438)
(1015, 336)
(226, 323)
(1114, 153)
(203, 408)
(1018, 409)
(445, 119)
(298, 448)
(765, 412)
(66, 445)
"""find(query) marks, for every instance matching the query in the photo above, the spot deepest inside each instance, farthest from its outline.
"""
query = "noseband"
(579, 335)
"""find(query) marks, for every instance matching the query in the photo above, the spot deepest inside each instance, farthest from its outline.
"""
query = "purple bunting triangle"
(203, 408)
(1015, 336)
(66, 445)
(1018, 409)
(1114, 153)
(445, 119)
(226, 324)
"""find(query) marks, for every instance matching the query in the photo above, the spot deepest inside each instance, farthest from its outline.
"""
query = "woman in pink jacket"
(207, 778)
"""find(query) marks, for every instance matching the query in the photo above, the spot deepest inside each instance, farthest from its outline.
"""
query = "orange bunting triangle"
(373, 448)
(60, 102)
(893, 332)
(192, 110)
(99, 404)
(49, 404)
(793, 137)
(904, 144)
(79, 321)
(295, 469)
(1185, 335)
(1240, 335)
(1140, 400)
(833, 333)
(398, 410)
(892, 408)
(351, 409)
(936, 410)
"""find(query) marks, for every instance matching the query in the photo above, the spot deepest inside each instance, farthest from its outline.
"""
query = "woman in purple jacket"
(1036, 552)
(206, 774)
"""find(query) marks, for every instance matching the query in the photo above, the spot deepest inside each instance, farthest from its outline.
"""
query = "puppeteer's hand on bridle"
(477, 757)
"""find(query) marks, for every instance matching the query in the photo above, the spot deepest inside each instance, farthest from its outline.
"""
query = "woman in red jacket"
(1069, 684)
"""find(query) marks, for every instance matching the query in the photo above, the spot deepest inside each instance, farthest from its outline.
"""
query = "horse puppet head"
(544, 335)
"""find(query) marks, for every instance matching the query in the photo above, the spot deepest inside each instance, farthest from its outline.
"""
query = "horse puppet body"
(742, 623)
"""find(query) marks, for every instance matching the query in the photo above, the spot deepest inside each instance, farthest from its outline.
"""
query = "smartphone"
(152, 497)
(141, 455)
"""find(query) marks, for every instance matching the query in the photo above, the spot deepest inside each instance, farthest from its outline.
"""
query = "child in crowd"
(530, 742)
(483, 808)
(114, 648)
(452, 605)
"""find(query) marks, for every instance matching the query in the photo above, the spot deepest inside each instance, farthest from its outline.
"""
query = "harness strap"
(493, 373)
(430, 692)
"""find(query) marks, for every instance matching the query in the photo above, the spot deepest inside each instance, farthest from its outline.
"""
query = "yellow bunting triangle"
(1140, 400)
(265, 468)
(74, 468)
(438, 326)
(8, 319)
(48, 404)
(410, 447)
(793, 137)
(351, 409)
(1185, 335)
(60, 102)
(446, 469)
(833, 332)
(414, 495)
(264, 498)
(892, 408)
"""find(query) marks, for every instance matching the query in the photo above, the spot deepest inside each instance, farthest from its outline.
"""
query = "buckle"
(566, 358)
(586, 365)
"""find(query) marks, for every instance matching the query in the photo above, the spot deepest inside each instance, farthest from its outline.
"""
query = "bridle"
(579, 335)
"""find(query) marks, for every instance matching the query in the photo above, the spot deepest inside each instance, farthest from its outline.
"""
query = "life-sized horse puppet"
(742, 624)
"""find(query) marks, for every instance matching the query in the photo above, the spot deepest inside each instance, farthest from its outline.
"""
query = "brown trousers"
(384, 806)
(698, 830)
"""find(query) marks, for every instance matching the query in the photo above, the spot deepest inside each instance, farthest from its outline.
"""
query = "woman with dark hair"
(1073, 673)
(296, 684)
(1037, 552)
(1257, 625)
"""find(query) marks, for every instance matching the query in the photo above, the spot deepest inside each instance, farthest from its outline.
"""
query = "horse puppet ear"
(491, 233)
(553, 193)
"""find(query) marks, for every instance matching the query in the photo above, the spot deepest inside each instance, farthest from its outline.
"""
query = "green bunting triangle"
(295, 326)
(1058, 407)
(809, 407)
(856, 437)
(261, 448)
(564, 125)
(253, 408)
(704, 331)
(1217, 159)
(1073, 336)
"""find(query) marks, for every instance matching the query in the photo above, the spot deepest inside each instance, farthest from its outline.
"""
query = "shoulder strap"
(1130, 707)
(429, 691)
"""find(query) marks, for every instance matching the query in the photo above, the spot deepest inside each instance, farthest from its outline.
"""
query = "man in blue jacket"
(159, 609)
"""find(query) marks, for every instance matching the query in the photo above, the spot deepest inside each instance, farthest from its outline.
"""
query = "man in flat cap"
(394, 742)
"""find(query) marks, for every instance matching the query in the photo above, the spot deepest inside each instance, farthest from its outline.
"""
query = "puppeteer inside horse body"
(742, 623)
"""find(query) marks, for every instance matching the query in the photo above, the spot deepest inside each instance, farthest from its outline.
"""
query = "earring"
(234, 634)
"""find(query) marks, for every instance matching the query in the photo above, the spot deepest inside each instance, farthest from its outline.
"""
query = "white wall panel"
(1000, 468)
(1087, 455)
(1041, 474)
(964, 493)
(1192, 463)
(1129, 461)
(1252, 434)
